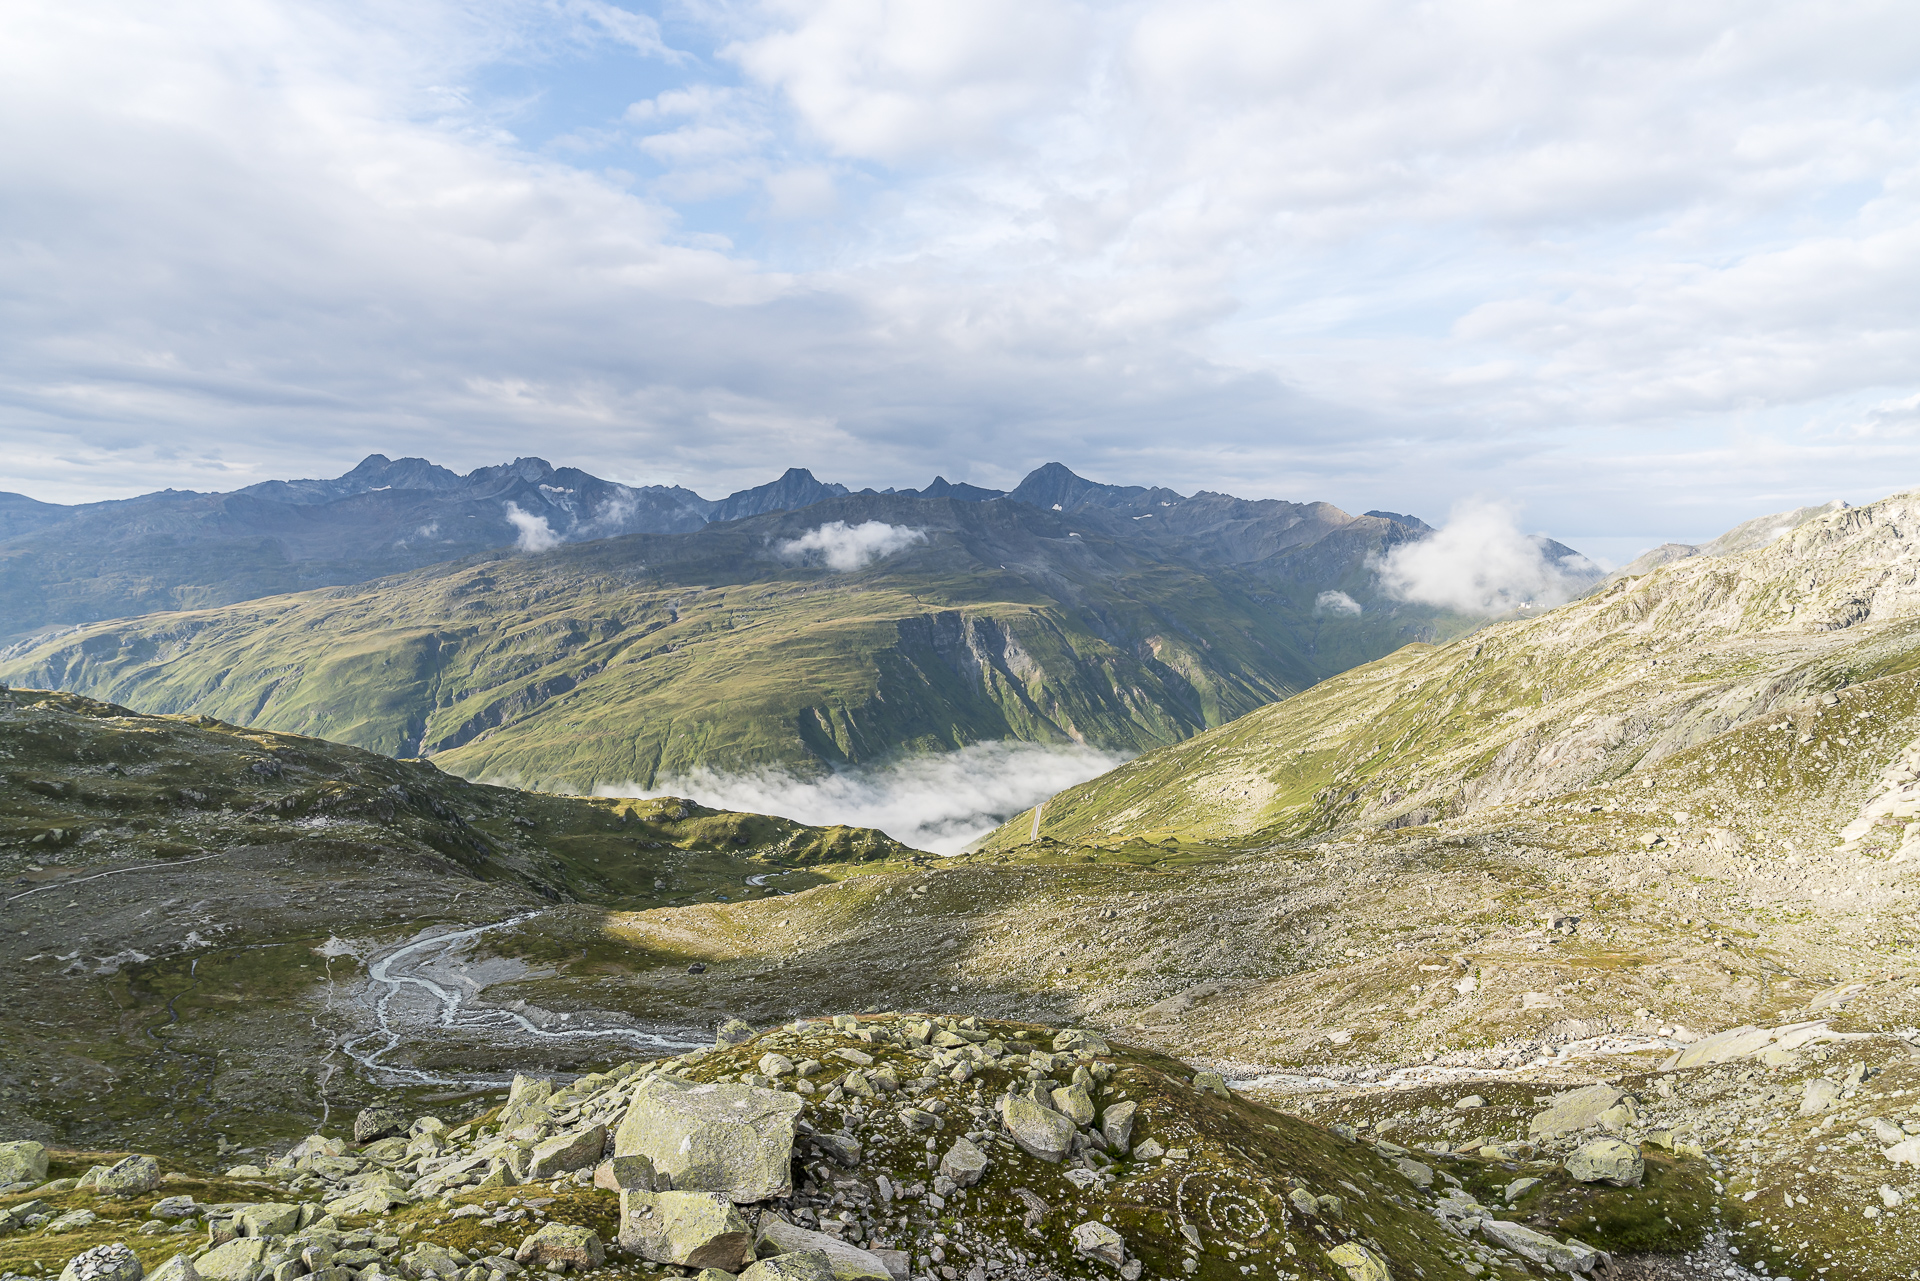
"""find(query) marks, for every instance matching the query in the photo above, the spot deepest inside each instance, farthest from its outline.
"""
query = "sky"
(1634, 270)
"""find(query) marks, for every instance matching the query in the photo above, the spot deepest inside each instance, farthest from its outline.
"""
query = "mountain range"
(1064, 611)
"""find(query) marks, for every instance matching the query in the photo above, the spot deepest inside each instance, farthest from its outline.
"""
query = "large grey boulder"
(23, 1162)
(104, 1263)
(1095, 1240)
(173, 1207)
(565, 1153)
(131, 1177)
(178, 1268)
(1359, 1263)
(576, 1247)
(317, 1145)
(268, 1219)
(1817, 1096)
(631, 1172)
(1574, 1111)
(689, 1229)
(1037, 1128)
(1116, 1124)
(801, 1265)
(964, 1163)
(1608, 1161)
(849, 1261)
(1573, 1256)
(369, 1200)
(237, 1260)
(378, 1123)
(526, 1103)
(427, 1259)
(1071, 1101)
(735, 1139)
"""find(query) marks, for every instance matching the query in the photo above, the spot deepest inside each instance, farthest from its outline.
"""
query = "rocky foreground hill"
(889, 1147)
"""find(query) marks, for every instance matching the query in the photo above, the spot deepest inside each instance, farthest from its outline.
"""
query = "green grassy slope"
(633, 659)
(1620, 681)
(87, 781)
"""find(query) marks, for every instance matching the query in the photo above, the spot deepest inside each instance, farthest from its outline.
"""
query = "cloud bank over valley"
(937, 803)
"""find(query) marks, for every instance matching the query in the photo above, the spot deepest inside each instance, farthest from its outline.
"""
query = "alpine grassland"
(630, 660)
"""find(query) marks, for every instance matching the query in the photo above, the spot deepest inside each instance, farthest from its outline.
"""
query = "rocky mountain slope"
(622, 661)
(1734, 666)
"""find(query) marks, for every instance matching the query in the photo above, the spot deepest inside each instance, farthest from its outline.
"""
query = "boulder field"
(885, 1147)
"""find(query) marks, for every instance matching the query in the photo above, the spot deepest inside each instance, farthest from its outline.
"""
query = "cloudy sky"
(1640, 269)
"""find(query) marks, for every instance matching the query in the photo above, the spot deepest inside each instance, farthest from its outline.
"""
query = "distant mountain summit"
(179, 549)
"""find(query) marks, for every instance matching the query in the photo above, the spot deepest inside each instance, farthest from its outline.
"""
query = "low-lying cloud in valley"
(845, 548)
(936, 803)
(1480, 563)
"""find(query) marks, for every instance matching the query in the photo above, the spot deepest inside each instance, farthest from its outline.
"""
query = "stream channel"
(431, 987)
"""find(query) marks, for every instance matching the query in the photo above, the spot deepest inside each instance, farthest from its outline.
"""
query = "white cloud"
(535, 534)
(936, 803)
(1606, 259)
(845, 548)
(1336, 603)
(1479, 563)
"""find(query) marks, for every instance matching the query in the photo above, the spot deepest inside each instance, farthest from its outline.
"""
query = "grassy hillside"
(1614, 684)
(625, 661)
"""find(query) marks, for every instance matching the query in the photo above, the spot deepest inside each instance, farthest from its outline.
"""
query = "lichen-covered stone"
(1608, 1161)
(130, 1177)
(1574, 1111)
(964, 1163)
(801, 1265)
(268, 1219)
(1039, 1129)
(428, 1259)
(1071, 1101)
(564, 1153)
(1116, 1124)
(690, 1229)
(237, 1260)
(23, 1162)
(1096, 1240)
(377, 1123)
(849, 1261)
(1359, 1263)
(1571, 1256)
(526, 1103)
(562, 1243)
(1213, 1083)
(734, 1139)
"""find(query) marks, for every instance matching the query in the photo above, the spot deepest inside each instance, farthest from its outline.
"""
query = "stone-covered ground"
(1195, 1179)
